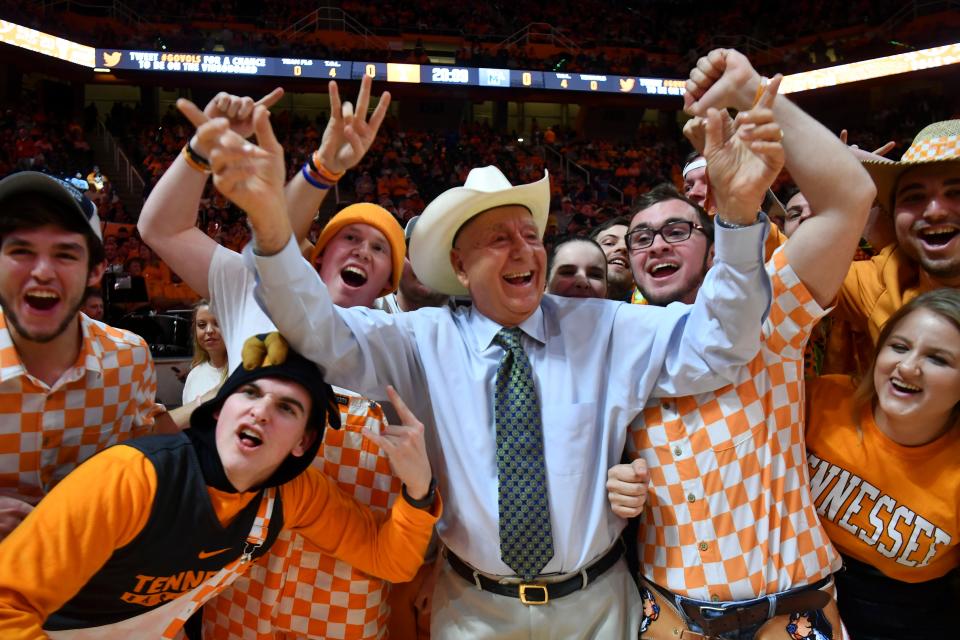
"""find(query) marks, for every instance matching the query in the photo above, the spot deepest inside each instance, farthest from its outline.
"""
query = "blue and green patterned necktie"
(526, 540)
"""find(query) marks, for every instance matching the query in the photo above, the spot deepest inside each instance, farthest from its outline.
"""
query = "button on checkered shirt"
(526, 540)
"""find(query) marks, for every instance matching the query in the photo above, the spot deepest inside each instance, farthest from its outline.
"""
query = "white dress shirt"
(595, 364)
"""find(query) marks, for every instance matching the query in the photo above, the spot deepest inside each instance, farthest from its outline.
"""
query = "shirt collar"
(485, 329)
(90, 357)
(91, 349)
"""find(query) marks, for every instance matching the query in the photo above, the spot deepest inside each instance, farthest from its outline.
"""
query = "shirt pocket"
(571, 438)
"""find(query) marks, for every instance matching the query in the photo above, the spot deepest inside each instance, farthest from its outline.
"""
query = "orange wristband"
(764, 81)
(194, 160)
(316, 166)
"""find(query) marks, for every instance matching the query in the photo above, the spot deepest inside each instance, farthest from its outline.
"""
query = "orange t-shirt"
(893, 507)
(874, 289)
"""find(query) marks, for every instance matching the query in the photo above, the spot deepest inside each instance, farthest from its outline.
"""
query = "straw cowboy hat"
(938, 142)
(486, 188)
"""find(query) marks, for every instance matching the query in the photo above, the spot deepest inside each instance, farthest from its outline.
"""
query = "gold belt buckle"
(542, 587)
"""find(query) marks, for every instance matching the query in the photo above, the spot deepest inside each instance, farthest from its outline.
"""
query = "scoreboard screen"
(170, 62)
(251, 65)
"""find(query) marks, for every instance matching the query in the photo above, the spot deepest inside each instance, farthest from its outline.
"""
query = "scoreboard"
(216, 63)
(106, 60)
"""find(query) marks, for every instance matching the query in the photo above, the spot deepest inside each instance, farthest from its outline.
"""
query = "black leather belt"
(719, 618)
(538, 592)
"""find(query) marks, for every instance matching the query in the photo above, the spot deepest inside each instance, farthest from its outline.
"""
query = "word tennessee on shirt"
(894, 530)
(153, 590)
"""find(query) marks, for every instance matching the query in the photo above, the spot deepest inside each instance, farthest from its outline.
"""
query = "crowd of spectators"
(592, 179)
(659, 38)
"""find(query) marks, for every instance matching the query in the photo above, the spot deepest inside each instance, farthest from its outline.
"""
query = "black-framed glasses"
(642, 238)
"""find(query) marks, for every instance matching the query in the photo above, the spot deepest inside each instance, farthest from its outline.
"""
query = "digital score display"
(205, 63)
(449, 75)
(323, 69)
(251, 65)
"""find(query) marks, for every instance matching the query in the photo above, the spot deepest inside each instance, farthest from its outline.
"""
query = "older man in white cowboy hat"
(526, 396)
(922, 192)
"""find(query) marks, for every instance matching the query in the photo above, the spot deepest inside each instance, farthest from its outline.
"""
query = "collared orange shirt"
(874, 289)
(106, 397)
(299, 590)
(729, 515)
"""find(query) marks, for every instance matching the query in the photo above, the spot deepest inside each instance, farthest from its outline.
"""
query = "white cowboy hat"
(486, 188)
(938, 142)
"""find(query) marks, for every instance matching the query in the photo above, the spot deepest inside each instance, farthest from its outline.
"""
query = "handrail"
(542, 32)
(131, 178)
(338, 17)
(913, 10)
(565, 164)
(112, 9)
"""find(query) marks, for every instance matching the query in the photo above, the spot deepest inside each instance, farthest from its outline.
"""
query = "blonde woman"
(209, 366)
(884, 463)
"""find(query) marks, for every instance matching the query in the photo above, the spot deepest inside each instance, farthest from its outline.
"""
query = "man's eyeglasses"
(673, 232)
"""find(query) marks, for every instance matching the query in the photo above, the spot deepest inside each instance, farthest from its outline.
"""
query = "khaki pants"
(608, 609)
(663, 621)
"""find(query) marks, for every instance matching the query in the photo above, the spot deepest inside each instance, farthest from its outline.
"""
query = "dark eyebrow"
(294, 402)
(288, 399)
(916, 185)
(61, 246)
(644, 225)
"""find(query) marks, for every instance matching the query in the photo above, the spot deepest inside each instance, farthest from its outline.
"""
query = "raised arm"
(168, 221)
(831, 178)
(345, 141)
(358, 349)
(720, 333)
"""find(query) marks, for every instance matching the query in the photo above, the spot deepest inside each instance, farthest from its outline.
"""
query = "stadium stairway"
(127, 180)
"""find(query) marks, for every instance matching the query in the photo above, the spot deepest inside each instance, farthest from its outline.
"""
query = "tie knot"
(509, 338)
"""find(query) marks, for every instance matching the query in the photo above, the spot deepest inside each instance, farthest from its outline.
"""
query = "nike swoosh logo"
(203, 555)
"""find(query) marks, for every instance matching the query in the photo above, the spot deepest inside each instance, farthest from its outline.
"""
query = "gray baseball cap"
(61, 191)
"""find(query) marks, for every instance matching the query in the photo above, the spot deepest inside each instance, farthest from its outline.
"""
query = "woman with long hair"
(884, 458)
(209, 366)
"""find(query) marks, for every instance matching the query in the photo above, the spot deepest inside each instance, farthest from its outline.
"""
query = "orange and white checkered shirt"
(106, 397)
(729, 515)
(296, 591)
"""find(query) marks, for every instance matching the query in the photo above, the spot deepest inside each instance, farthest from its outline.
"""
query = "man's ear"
(456, 261)
(309, 435)
(93, 278)
(710, 254)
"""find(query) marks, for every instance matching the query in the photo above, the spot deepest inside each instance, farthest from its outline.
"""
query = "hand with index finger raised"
(252, 176)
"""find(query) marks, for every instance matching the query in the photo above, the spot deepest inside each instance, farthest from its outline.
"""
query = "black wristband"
(196, 157)
(426, 502)
(312, 164)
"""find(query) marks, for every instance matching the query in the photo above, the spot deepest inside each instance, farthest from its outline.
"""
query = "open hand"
(627, 487)
(405, 447)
